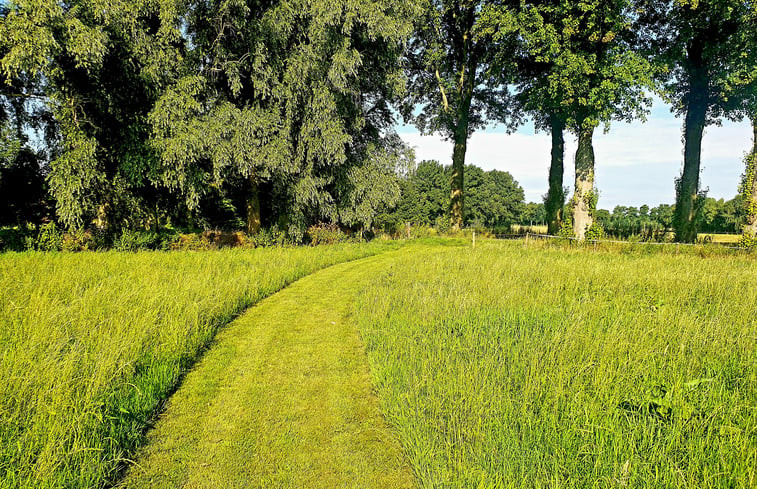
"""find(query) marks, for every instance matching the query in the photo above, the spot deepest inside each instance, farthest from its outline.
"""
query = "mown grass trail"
(92, 343)
(282, 399)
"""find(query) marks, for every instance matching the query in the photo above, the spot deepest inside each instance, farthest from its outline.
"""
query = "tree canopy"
(280, 114)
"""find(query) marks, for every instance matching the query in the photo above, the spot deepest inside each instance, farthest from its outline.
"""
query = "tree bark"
(458, 163)
(751, 174)
(555, 196)
(583, 213)
(253, 207)
(687, 187)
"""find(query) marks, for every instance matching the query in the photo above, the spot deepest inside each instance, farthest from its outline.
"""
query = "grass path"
(282, 399)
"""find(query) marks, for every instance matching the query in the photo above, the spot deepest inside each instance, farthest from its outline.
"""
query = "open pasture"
(504, 366)
(91, 344)
(496, 367)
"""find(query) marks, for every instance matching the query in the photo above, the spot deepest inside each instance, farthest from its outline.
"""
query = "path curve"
(282, 399)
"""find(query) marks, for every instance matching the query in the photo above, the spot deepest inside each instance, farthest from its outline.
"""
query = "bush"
(133, 240)
(269, 237)
(748, 241)
(442, 224)
(17, 239)
(190, 242)
(326, 234)
(595, 232)
(78, 241)
(49, 238)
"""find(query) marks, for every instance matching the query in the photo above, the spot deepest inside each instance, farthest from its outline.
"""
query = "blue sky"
(635, 163)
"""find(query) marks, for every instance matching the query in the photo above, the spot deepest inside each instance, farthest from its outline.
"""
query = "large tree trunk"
(750, 182)
(583, 195)
(687, 187)
(458, 164)
(555, 196)
(253, 207)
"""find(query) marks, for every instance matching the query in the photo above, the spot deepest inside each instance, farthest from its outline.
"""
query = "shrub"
(748, 241)
(49, 238)
(595, 232)
(326, 234)
(134, 240)
(442, 224)
(17, 239)
(77, 241)
(191, 242)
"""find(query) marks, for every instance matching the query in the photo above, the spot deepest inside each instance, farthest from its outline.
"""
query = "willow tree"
(458, 78)
(288, 95)
(100, 67)
(694, 41)
(590, 75)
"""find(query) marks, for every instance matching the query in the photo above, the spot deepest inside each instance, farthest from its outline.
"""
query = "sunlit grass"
(507, 366)
(721, 238)
(282, 400)
(92, 343)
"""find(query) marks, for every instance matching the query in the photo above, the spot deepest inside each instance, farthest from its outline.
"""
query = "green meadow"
(432, 364)
(91, 344)
(504, 367)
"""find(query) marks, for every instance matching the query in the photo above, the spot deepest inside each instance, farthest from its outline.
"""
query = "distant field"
(92, 343)
(533, 229)
(710, 237)
(510, 367)
(721, 238)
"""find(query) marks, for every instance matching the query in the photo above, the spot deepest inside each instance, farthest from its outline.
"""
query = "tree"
(425, 191)
(663, 215)
(495, 199)
(535, 96)
(592, 76)
(741, 98)
(748, 188)
(99, 68)
(697, 41)
(457, 80)
(289, 97)
(533, 214)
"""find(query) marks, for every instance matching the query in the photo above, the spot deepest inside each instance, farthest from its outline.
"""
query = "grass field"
(92, 343)
(495, 367)
(511, 367)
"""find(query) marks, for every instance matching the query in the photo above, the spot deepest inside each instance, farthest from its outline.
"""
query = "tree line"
(237, 113)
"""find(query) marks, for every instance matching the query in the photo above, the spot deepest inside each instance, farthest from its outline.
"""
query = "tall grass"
(91, 344)
(503, 366)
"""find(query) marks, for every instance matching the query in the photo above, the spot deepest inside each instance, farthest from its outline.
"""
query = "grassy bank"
(512, 367)
(91, 344)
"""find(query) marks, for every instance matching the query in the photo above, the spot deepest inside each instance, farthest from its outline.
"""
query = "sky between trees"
(638, 161)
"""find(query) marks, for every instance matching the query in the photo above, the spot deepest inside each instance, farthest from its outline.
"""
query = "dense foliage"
(716, 216)
(493, 198)
(279, 114)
